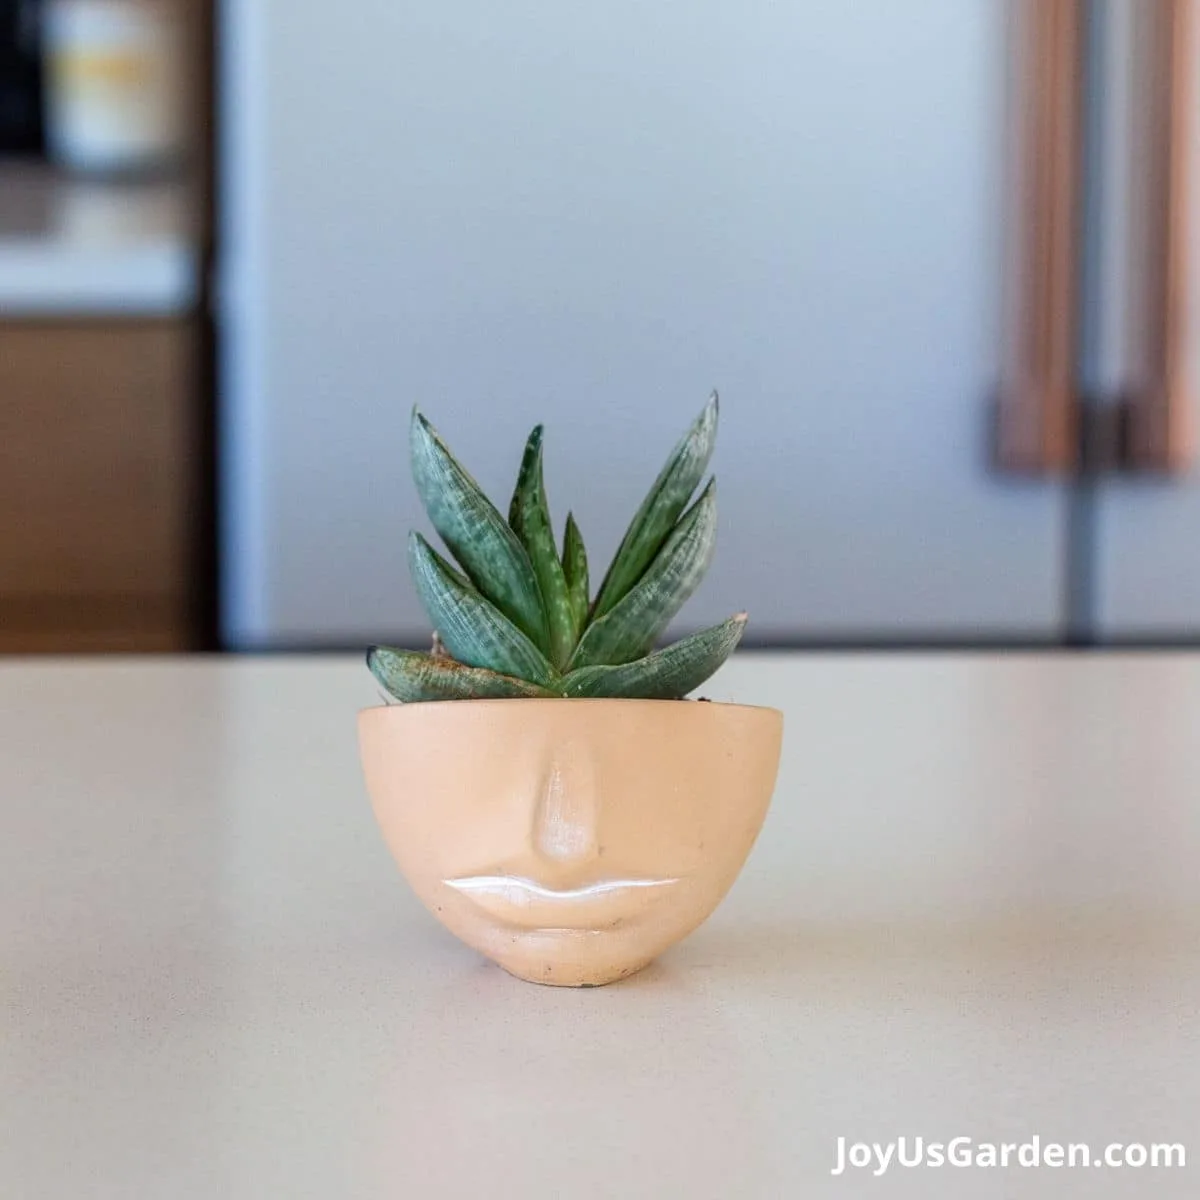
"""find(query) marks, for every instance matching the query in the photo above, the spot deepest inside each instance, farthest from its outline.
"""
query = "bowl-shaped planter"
(571, 841)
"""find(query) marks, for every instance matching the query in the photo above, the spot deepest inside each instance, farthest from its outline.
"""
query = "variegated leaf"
(472, 628)
(411, 677)
(575, 568)
(668, 674)
(653, 522)
(630, 629)
(529, 517)
(476, 534)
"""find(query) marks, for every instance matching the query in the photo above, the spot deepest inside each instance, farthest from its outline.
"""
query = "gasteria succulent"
(517, 620)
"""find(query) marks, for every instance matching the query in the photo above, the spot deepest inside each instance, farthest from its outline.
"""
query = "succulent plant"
(517, 620)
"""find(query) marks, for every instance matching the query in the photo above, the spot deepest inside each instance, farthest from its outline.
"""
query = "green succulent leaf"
(668, 674)
(477, 535)
(409, 676)
(529, 517)
(474, 630)
(653, 522)
(630, 629)
(575, 568)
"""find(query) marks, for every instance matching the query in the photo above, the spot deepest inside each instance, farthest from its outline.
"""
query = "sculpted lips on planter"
(572, 841)
(533, 905)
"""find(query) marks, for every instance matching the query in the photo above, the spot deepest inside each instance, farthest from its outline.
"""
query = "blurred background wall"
(239, 241)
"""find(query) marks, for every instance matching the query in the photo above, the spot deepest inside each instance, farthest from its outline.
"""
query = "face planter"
(570, 841)
(546, 786)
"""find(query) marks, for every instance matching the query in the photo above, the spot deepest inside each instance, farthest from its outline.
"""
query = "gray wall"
(591, 215)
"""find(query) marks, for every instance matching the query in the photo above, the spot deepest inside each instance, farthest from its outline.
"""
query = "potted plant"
(568, 813)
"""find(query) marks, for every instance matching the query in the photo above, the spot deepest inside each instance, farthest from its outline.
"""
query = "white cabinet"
(591, 215)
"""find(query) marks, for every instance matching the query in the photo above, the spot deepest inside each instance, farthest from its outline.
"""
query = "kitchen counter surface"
(974, 911)
(77, 248)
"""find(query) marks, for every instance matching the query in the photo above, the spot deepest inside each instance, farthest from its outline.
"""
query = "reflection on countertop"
(88, 247)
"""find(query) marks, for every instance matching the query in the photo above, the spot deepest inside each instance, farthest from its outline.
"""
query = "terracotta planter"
(570, 841)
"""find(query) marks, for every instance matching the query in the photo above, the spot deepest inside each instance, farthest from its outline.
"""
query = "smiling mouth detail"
(533, 905)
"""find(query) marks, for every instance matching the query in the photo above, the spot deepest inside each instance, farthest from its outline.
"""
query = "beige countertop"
(974, 911)
(78, 248)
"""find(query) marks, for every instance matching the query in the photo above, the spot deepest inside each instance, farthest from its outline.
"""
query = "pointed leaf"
(409, 677)
(631, 628)
(529, 517)
(667, 674)
(474, 631)
(575, 568)
(660, 510)
(476, 534)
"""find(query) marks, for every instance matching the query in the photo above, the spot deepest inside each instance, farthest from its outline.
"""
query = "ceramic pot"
(114, 97)
(570, 841)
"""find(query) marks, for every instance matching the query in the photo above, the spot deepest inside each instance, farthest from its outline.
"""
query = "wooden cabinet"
(98, 485)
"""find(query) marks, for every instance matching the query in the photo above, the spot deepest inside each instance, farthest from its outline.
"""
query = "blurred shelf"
(85, 248)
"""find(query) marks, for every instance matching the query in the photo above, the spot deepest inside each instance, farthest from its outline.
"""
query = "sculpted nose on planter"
(566, 813)
(554, 885)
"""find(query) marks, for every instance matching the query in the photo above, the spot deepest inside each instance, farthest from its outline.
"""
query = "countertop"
(78, 248)
(974, 911)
